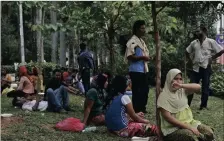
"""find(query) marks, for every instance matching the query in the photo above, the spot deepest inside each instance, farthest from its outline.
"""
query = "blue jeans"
(57, 99)
(203, 74)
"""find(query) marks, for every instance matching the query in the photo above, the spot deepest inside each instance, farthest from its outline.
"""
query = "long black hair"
(119, 85)
(100, 82)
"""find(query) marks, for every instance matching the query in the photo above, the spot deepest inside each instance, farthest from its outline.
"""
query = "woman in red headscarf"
(25, 88)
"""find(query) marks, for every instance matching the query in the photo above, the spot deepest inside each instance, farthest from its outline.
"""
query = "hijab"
(172, 100)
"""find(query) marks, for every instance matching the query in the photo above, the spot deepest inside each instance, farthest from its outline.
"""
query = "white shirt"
(200, 53)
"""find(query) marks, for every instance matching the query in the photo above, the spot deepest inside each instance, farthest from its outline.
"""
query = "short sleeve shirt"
(200, 53)
(137, 66)
(97, 108)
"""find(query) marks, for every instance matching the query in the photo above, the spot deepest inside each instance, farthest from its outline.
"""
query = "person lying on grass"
(177, 122)
(56, 93)
(93, 105)
(24, 90)
(120, 116)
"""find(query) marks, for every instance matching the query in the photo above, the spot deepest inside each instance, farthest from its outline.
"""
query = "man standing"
(86, 63)
(138, 56)
(202, 51)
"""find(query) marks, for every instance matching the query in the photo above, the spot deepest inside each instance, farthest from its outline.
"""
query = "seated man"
(56, 93)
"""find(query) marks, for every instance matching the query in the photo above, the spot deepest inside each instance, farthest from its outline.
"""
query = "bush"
(9, 68)
(217, 83)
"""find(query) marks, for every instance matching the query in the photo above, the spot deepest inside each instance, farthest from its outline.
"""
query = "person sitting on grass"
(25, 89)
(120, 116)
(76, 81)
(177, 122)
(56, 93)
(5, 79)
(93, 105)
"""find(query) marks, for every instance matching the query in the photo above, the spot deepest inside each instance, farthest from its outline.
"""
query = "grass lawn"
(38, 126)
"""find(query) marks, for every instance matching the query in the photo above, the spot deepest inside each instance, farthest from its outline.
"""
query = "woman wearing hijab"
(120, 116)
(177, 122)
(25, 88)
(93, 106)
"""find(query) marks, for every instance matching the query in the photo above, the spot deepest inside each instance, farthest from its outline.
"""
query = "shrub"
(217, 83)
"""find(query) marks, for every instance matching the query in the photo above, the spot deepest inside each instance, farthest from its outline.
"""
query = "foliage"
(217, 83)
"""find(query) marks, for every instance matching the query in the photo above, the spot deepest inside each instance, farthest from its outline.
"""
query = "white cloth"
(172, 101)
(200, 53)
(132, 44)
(125, 100)
(29, 105)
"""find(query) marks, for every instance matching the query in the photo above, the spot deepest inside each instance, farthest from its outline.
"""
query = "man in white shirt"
(202, 51)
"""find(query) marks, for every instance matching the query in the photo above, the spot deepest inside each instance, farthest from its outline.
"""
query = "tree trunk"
(39, 47)
(76, 48)
(158, 62)
(42, 37)
(62, 49)
(21, 33)
(112, 59)
(54, 36)
(71, 50)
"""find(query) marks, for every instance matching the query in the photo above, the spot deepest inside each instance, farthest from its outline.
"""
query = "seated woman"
(93, 106)
(25, 88)
(5, 79)
(118, 110)
(177, 122)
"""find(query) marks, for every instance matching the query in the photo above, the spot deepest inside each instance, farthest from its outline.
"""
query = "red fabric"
(65, 75)
(70, 124)
(23, 69)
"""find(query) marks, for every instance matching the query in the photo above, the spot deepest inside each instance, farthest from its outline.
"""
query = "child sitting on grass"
(118, 110)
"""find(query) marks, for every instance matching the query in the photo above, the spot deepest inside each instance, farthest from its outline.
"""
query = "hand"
(177, 85)
(210, 61)
(145, 58)
(195, 131)
(146, 121)
(141, 114)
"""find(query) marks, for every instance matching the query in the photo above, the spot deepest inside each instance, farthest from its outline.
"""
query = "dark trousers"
(86, 79)
(140, 90)
(195, 77)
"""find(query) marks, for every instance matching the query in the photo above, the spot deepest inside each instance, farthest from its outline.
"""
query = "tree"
(21, 33)
(54, 34)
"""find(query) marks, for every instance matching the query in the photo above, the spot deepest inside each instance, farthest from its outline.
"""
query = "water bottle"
(89, 129)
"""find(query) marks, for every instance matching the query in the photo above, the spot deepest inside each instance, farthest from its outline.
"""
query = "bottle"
(89, 129)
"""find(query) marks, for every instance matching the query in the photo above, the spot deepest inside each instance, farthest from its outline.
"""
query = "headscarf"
(23, 70)
(65, 75)
(172, 101)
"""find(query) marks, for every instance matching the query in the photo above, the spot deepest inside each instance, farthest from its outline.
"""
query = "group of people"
(107, 102)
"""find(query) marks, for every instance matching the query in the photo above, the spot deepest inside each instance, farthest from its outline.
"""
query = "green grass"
(38, 127)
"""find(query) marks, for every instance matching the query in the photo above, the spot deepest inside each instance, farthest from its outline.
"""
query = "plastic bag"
(70, 124)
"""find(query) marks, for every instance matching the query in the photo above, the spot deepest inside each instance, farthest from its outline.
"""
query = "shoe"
(203, 108)
(68, 109)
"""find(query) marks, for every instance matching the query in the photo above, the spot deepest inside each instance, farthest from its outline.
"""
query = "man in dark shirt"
(85, 61)
(56, 93)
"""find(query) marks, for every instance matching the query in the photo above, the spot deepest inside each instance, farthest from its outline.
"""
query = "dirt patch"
(48, 127)
(5, 122)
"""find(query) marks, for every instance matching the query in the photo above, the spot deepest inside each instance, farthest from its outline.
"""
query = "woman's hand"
(176, 85)
(141, 114)
(146, 121)
(195, 131)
